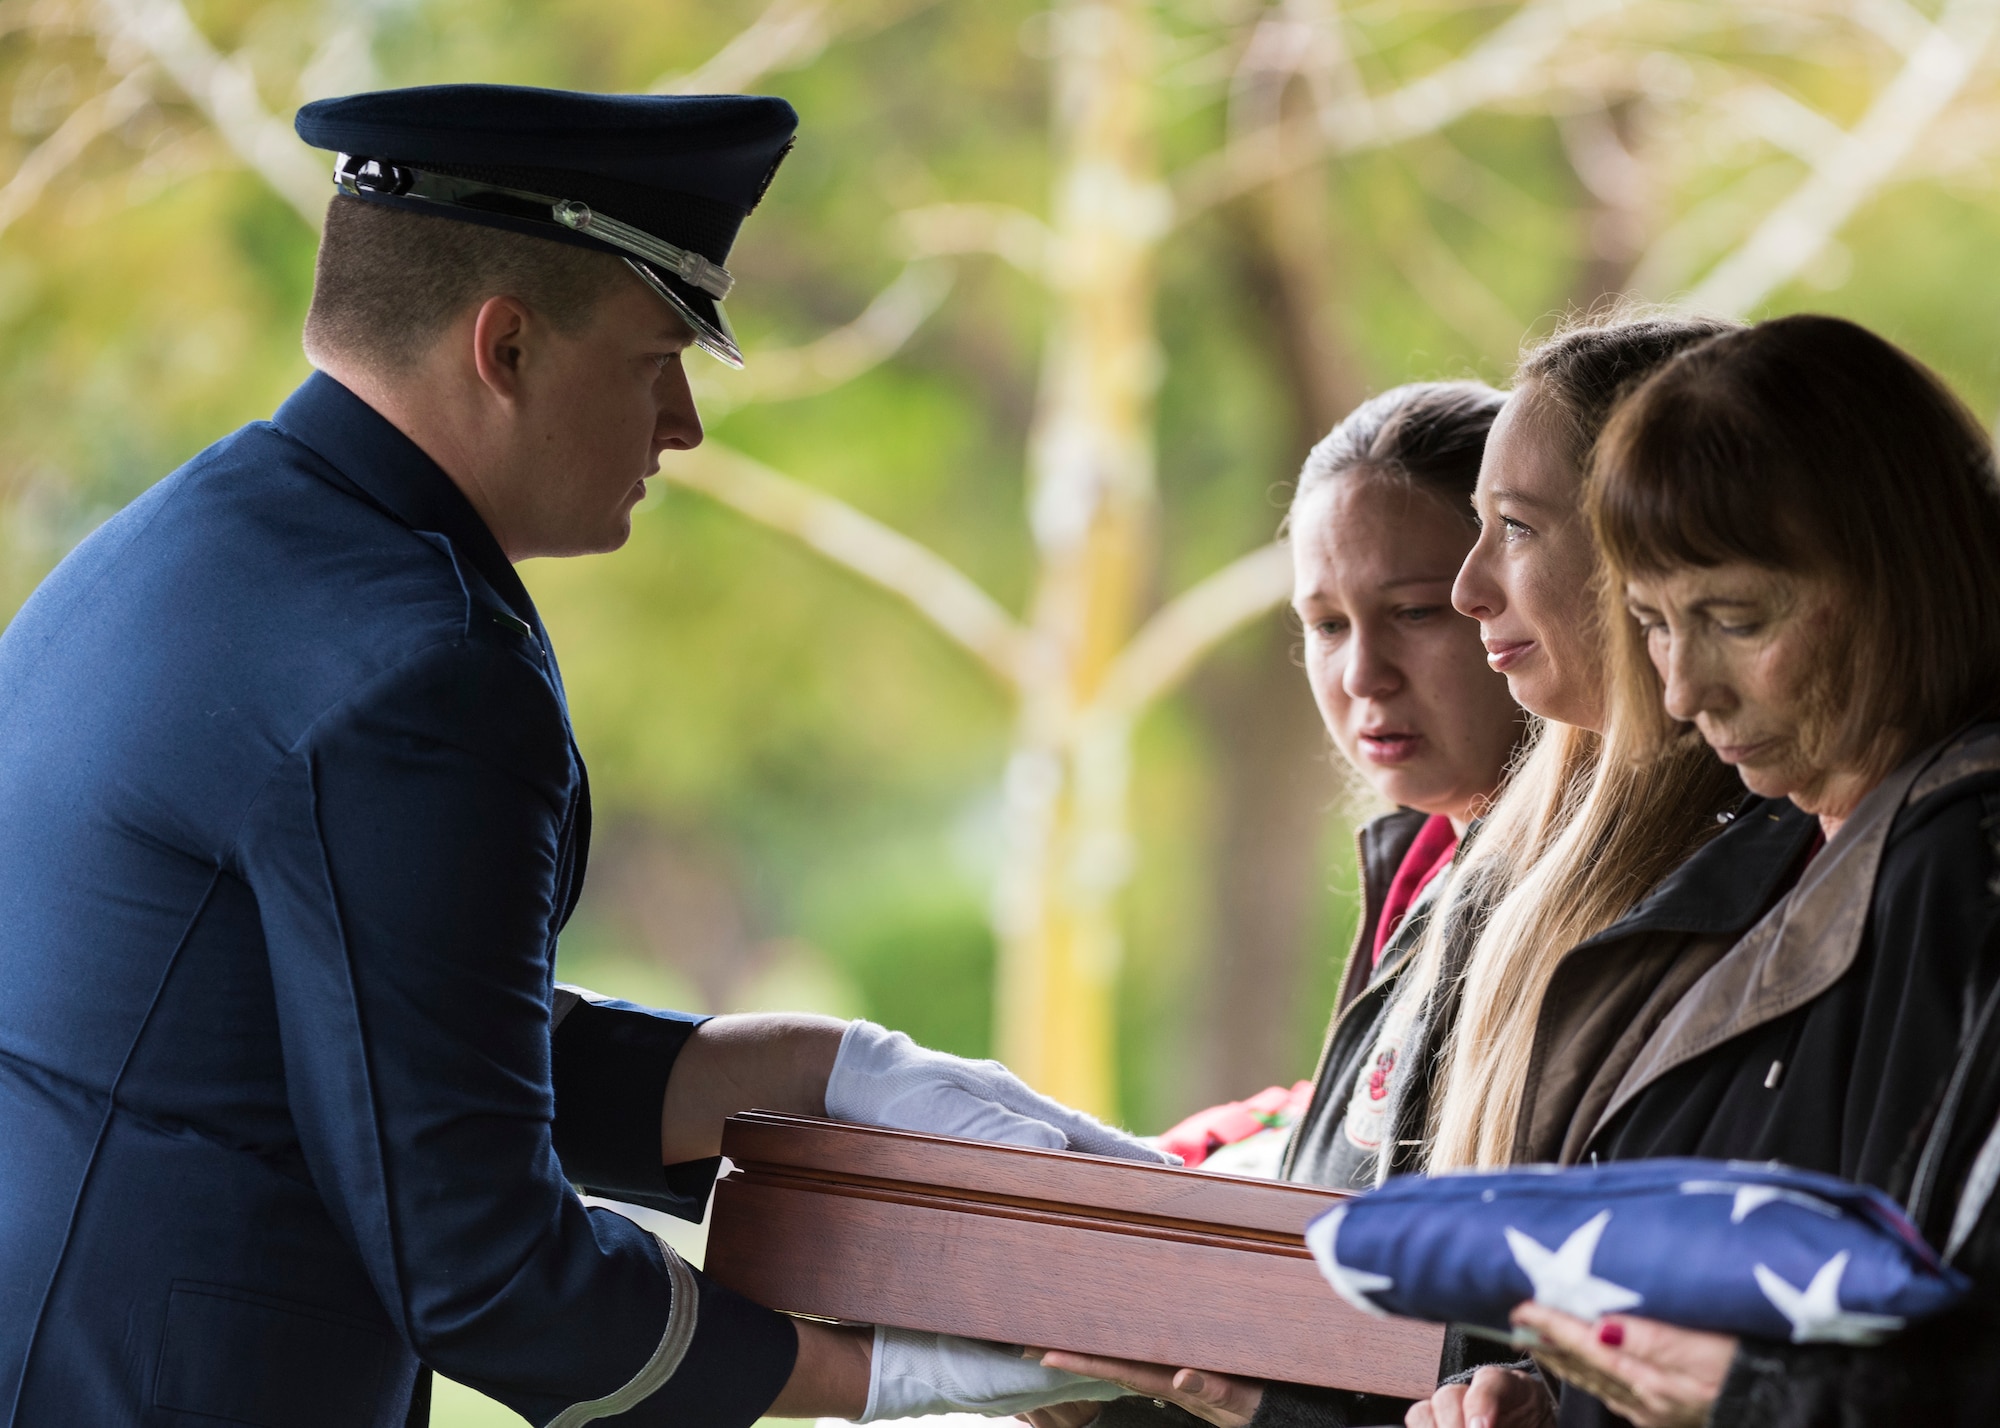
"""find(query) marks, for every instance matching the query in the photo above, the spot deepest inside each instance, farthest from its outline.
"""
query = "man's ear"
(500, 338)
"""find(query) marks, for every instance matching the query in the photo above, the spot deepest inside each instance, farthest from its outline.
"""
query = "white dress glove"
(882, 1078)
(913, 1374)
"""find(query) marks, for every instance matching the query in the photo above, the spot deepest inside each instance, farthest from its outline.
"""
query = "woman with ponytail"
(1380, 522)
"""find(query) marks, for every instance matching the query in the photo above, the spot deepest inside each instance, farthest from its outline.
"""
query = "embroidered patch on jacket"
(1369, 1103)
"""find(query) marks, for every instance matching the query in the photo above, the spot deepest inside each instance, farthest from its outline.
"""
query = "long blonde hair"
(1588, 824)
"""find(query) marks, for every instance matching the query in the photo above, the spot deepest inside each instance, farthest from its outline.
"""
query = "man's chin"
(614, 538)
(601, 542)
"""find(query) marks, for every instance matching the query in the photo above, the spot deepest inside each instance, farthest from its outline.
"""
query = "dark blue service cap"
(663, 181)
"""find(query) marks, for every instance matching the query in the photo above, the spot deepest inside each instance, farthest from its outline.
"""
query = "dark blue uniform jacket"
(290, 816)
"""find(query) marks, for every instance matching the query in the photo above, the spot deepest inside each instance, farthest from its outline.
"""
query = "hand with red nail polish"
(1656, 1375)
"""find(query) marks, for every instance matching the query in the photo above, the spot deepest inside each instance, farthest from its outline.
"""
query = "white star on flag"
(1562, 1277)
(1815, 1313)
(1751, 1198)
(1353, 1285)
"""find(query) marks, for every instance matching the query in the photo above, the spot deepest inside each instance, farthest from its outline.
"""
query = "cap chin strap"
(689, 267)
(645, 254)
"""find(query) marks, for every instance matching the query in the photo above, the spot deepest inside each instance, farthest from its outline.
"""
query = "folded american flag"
(1707, 1244)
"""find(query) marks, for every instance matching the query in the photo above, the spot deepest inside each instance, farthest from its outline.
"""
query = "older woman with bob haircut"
(1804, 525)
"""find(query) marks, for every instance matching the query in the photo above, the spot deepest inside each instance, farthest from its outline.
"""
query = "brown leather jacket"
(1610, 995)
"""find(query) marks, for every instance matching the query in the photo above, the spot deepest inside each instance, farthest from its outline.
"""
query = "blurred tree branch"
(1450, 289)
(1011, 234)
(945, 596)
(1784, 122)
(1509, 62)
(225, 91)
(837, 357)
(1620, 192)
(1794, 232)
(1895, 22)
(1181, 633)
(90, 120)
(41, 17)
(789, 34)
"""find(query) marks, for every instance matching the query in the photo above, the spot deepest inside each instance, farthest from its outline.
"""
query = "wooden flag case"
(1046, 1248)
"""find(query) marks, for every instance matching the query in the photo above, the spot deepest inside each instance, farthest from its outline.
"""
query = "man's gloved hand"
(913, 1374)
(882, 1078)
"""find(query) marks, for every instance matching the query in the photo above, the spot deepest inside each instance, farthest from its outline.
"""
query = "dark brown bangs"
(1810, 444)
(1683, 476)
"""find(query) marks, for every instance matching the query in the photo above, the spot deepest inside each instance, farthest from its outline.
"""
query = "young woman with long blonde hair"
(1612, 874)
(1588, 826)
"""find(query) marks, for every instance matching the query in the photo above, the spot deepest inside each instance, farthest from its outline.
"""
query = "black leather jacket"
(1946, 1371)
(1856, 1030)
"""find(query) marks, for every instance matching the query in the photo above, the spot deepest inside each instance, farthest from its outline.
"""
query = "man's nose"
(679, 424)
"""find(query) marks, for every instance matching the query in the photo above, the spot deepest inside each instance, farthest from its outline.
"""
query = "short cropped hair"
(1811, 445)
(389, 281)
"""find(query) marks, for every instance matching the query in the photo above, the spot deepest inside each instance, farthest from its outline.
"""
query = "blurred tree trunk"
(1092, 514)
(1614, 214)
(1276, 789)
(1275, 792)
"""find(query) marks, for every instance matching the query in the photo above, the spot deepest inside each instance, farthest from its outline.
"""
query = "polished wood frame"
(1042, 1247)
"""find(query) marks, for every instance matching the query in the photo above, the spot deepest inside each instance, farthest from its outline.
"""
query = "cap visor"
(701, 312)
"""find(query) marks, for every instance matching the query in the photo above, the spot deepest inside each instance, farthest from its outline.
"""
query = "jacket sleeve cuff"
(739, 1360)
(1135, 1411)
(1757, 1391)
(611, 1060)
(721, 1362)
(1291, 1405)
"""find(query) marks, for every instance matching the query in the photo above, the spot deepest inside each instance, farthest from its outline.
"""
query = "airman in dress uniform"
(293, 1109)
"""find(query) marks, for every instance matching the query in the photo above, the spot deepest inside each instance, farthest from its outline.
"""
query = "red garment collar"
(1435, 846)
